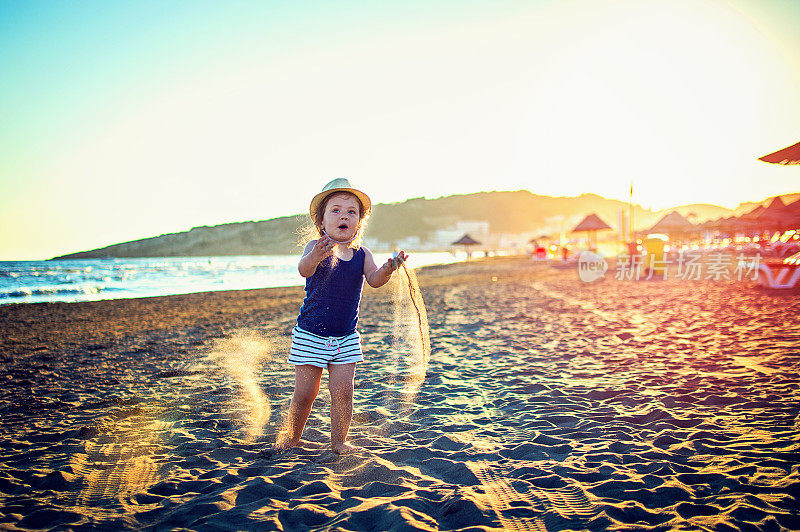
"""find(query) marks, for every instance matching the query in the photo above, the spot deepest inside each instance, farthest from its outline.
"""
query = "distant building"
(442, 238)
(515, 240)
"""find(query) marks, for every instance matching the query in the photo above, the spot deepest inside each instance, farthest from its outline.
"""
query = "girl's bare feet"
(344, 448)
(286, 443)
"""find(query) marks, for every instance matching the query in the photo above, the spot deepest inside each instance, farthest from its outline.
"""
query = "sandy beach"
(547, 404)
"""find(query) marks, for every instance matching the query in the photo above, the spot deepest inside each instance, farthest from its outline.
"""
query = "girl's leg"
(306, 388)
(340, 384)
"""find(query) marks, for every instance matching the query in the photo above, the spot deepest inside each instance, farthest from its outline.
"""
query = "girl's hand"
(313, 255)
(323, 248)
(393, 263)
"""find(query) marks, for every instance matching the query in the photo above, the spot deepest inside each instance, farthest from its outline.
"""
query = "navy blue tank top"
(333, 293)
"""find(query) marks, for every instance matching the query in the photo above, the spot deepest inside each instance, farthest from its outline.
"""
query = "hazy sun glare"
(243, 114)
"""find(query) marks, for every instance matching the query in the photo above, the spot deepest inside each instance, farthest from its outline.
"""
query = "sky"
(121, 120)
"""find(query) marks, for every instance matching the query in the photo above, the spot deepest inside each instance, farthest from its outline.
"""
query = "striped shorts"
(309, 348)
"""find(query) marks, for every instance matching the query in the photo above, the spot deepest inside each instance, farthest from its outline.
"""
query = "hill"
(507, 212)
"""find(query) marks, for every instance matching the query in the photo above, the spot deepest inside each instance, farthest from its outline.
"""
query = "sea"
(117, 278)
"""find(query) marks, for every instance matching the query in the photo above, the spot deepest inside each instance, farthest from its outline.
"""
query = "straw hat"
(339, 184)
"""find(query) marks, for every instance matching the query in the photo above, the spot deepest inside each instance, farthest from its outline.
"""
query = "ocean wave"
(24, 292)
(91, 279)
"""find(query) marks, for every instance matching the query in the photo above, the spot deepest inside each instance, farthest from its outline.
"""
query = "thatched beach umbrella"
(776, 215)
(786, 156)
(673, 224)
(466, 241)
(794, 218)
(591, 224)
(748, 222)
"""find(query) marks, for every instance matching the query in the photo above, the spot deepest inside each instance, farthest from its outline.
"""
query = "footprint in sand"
(558, 506)
(119, 463)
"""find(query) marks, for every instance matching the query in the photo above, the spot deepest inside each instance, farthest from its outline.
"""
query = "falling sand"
(242, 356)
(411, 342)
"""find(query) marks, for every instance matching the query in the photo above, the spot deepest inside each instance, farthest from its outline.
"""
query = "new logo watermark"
(591, 266)
(686, 266)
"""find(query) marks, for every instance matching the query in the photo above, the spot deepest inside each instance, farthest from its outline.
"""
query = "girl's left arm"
(377, 277)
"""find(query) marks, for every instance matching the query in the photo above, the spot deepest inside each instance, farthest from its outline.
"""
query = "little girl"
(335, 266)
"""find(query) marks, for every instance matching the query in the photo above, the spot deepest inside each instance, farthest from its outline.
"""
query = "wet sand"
(547, 404)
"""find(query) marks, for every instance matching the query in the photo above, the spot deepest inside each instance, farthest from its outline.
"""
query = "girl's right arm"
(313, 254)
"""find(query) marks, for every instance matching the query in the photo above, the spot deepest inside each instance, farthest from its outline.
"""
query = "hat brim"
(319, 198)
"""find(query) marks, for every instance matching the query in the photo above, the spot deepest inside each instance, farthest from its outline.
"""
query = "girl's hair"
(313, 226)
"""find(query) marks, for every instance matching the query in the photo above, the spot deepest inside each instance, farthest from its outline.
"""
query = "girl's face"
(341, 218)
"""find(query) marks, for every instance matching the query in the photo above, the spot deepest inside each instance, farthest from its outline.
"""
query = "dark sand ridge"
(548, 404)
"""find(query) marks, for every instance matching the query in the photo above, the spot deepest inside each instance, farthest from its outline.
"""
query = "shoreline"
(98, 280)
(73, 322)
